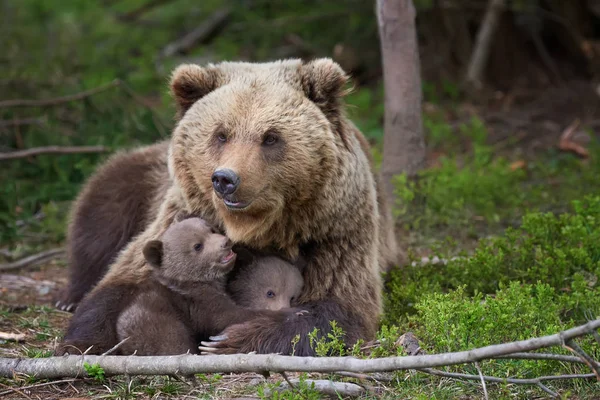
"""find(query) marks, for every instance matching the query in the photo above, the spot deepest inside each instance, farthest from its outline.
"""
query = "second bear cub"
(186, 301)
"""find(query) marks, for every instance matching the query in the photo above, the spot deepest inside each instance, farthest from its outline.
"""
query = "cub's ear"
(153, 253)
(323, 83)
(190, 82)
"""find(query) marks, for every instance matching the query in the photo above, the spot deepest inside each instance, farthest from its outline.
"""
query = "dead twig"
(37, 385)
(87, 93)
(13, 155)
(21, 122)
(485, 393)
(205, 30)
(115, 347)
(326, 387)
(589, 361)
(534, 381)
(15, 337)
(44, 256)
(141, 10)
(59, 100)
(567, 144)
(542, 356)
(68, 366)
(483, 42)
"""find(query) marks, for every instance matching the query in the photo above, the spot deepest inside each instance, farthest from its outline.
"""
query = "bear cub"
(186, 300)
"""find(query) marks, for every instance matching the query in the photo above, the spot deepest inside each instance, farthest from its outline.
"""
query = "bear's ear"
(153, 253)
(190, 82)
(323, 83)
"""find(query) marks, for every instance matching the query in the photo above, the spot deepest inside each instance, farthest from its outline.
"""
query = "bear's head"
(190, 251)
(258, 141)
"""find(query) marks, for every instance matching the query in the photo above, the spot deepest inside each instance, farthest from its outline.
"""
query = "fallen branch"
(44, 256)
(21, 122)
(87, 93)
(567, 144)
(59, 100)
(72, 366)
(198, 35)
(13, 155)
(518, 381)
(483, 42)
(324, 386)
(141, 10)
(36, 385)
(15, 337)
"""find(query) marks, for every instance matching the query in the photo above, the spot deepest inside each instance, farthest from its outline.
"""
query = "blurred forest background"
(511, 179)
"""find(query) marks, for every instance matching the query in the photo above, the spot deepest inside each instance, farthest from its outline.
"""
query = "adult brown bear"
(265, 152)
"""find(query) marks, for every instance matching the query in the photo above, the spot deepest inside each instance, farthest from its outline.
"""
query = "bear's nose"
(225, 181)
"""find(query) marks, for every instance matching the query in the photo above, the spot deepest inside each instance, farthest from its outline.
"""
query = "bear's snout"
(225, 181)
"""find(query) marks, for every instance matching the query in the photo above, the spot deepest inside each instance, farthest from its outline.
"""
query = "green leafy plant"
(94, 371)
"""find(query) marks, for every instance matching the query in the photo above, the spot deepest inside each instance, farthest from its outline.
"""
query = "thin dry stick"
(116, 346)
(485, 393)
(39, 385)
(11, 389)
(542, 356)
(574, 347)
(13, 155)
(44, 256)
(59, 100)
(87, 93)
(483, 42)
(201, 33)
(517, 381)
(23, 121)
(70, 366)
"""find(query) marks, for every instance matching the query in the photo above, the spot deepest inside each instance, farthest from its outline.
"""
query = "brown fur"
(311, 193)
(268, 283)
(97, 230)
(184, 301)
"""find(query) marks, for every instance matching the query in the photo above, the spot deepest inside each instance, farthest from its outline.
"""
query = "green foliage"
(456, 195)
(94, 371)
(33, 352)
(560, 251)
(331, 344)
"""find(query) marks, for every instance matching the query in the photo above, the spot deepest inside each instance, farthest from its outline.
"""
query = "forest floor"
(521, 129)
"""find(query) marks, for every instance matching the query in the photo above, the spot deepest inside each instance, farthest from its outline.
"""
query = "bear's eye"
(222, 137)
(270, 139)
(270, 294)
(198, 247)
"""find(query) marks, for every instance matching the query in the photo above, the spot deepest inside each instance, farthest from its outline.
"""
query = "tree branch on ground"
(201, 34)
(72, 366)
(483, 43)
(34, 259)
(141, 10)
(59, 100)
(13, 155)
(403, 141)
(21, 122)
(160, 125)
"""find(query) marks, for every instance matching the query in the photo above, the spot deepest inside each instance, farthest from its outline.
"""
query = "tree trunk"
(403, 142)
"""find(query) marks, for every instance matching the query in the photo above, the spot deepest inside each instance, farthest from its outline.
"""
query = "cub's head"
(267, 283)
(190, 251)
(257, 140)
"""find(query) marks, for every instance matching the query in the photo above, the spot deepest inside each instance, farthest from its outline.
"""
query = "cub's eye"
(198, 247)
(222, 137)
(270, 294)
(270, 140)
(292, 299)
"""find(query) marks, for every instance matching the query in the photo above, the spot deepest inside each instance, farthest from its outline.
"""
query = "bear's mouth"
(233, 204)
(228, 258)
